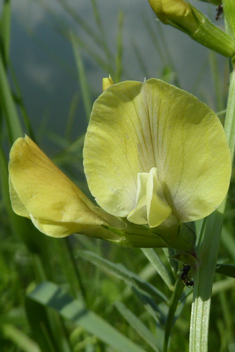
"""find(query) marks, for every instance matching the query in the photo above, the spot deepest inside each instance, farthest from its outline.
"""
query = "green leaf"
(122, 273)
(8, 107)
(157, 311)
(19, 338)
(50, 295)
(103, 42)
(40, 325)
(159, 266)
(82, 75)
(138, 326)
(228, 241)
(171, 316)
(226, 269)
(118, 59)
(5, 29)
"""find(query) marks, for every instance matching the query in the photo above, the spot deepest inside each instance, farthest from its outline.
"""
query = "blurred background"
(137, 46)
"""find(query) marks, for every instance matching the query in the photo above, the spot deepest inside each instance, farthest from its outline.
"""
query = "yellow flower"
(154, 153)
(154, 157)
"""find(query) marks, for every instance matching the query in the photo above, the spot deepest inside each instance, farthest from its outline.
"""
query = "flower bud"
(107, 82)
(188, 19)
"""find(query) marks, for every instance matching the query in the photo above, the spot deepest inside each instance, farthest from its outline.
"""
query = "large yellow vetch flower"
(154, 157)
(155, 153)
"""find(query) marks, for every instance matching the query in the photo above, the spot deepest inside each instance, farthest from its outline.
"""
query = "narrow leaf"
(171, 317)
(5, 29)
(82, 75)
(226, 269)
(159, 266)
(138, 326)
(8, 107)
(118, 60)
(50, 295)
(19, 338)
(122, 273)
(40, 325)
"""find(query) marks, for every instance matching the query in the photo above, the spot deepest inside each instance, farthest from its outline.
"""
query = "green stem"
(76, 271)
(229, 125)
(208, 248)
(175, 298)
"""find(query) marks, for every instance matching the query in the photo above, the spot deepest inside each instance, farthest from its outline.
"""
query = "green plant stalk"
(76, 272)
(229, 9)
(175, 298)
(14, 128)
(208, 248)
(103, 41)
(6, 30)
(81, 76)
(118, 60)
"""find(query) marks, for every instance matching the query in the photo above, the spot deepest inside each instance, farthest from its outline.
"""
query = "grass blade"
(175, 299)
(122, 273)
(139, 57)
(102, 32)
(8, 106)
(225, 269)
(119, 67)
(40, 325)
(81, 21)
(19, 338)
(82, 76)
(5, 28)
(50, 295)
(138, 326)
(227, 240)
(159, 266)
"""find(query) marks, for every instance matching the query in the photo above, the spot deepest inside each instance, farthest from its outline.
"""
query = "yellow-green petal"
(107, 82)
(135, 127)
(113, 143)
(40, 191)
(151, 206)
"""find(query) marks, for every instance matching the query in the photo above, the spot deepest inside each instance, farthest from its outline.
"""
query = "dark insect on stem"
(219, 12)
(185, 276)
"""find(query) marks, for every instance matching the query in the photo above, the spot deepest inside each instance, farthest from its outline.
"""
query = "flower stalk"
(208, 248)
(229, 10)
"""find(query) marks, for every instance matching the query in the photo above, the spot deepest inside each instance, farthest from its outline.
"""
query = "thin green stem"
(229, 125)
(175, 298)
(76, 270)
(119, 67)
(208, 250)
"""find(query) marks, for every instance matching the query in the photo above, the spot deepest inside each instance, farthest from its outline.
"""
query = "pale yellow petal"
(62, 229)
(157, 207)
(16, 203)
(107, 82)
(118, 146)
(139, 214)
(135, 127)
(151, 206)
(40, 191)
(192, 155)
